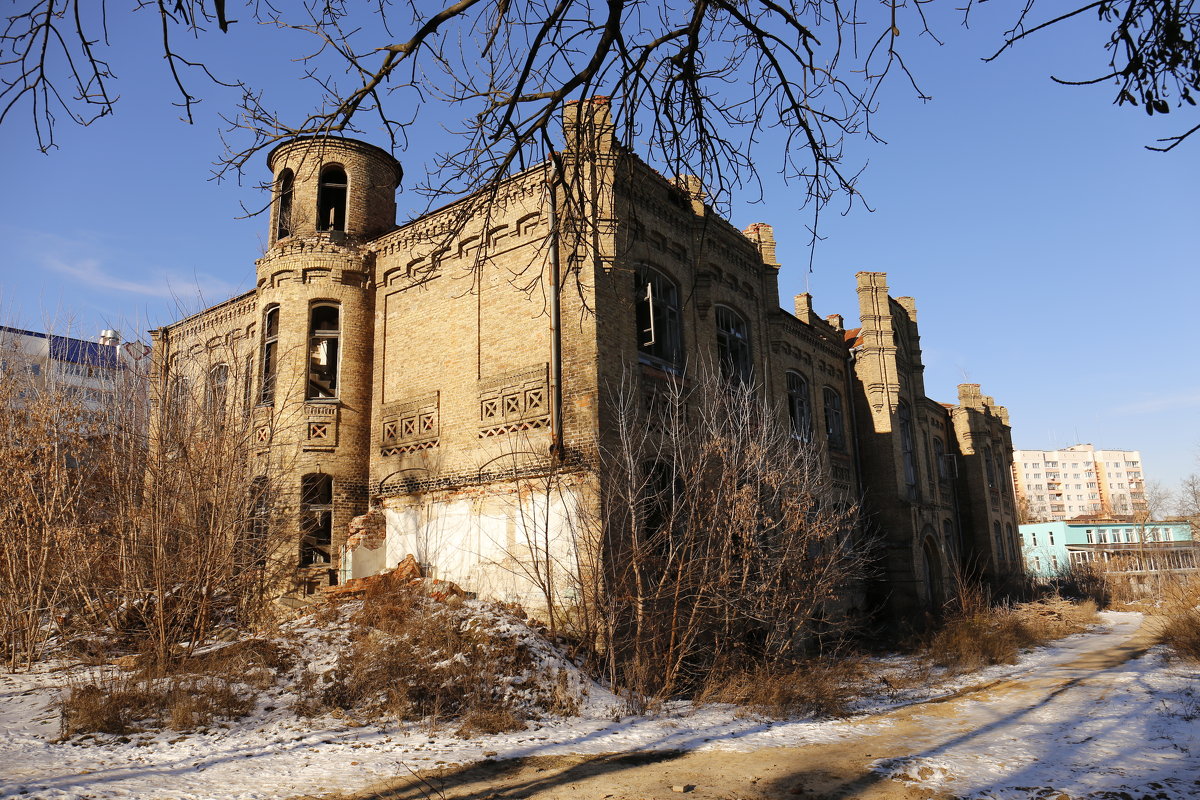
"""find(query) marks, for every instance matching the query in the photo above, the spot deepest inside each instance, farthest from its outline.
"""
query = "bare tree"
(699, 82)
(1188, 496)
(152, 535)
(1153, 51)
(726, 547)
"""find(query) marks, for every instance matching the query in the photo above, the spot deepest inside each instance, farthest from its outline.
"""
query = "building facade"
(1079, 481)
(1052, 548)
(87, 372)
(411, 381)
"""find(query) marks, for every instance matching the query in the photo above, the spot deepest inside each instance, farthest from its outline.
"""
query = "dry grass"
(1180, 605)
(416, 658)
(120, 703)
(1182, 633)
(980, 635)
(189, 692)
(817, 688)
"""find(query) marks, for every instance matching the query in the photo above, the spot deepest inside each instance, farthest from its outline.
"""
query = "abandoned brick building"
(417, 371)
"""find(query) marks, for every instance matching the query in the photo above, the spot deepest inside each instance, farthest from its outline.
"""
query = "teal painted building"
(1050, 548)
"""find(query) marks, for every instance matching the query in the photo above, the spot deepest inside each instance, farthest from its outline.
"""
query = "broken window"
(659, 329)
(324, 332)
(316, 519)
(835, 426)
(331, 199)
(907, 450)
(252, 553)
(283, 211)
(270, 354)
(733, 346)
(799, 406)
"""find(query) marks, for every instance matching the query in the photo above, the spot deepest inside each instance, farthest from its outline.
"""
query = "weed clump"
(121, 703)
(1182, 634)
(413, 657)
(819, 687)
(979, 635)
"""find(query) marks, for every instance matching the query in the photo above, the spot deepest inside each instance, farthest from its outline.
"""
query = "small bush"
(1182, 633)
(820, 688)
(413, 657)
(980, 636)
(120, 703)
(487, 721)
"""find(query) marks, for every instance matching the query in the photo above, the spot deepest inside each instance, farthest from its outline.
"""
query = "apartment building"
(1079, 481)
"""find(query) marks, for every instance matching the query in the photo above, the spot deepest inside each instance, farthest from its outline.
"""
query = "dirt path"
(914, 742)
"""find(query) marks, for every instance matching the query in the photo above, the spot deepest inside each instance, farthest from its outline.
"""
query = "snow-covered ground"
(1131, 728)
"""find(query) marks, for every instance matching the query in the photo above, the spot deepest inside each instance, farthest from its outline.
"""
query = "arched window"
(835, 426)
(331, 199)
(999, 542)
(316, 519)
(799, 406)
(270, 354)
(989, 466)
(733, 346)
(908, 454)
(659, 330)
(283, 211)
(216, 389)
(324, 331)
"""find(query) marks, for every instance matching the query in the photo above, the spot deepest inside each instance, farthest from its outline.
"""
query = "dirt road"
(911, 752)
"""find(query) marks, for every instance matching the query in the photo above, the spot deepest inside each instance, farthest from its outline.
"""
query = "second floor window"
(835, 426)
(324, 335)
(216, 389)
(270, 355)
(659, 329)
(733, 346)
(799, 406)
(908, 449)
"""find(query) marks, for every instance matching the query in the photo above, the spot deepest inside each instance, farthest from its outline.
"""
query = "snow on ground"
(1133, 729)
(1130, 731)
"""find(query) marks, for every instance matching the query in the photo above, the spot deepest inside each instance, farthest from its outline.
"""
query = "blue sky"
(1052, 258)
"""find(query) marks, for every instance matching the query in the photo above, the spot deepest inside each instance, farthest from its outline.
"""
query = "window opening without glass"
(324, 337)
(331, 199)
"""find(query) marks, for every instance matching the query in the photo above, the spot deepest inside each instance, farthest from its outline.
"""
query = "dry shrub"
(1182, 633)
(487, 721)
(979, 635)
(821, 687)
(253, 661)
(120, 703)
(1180, 596)
(414, 657)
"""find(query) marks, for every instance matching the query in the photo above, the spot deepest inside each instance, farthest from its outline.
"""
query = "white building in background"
(1079, 481)
(89, 371)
